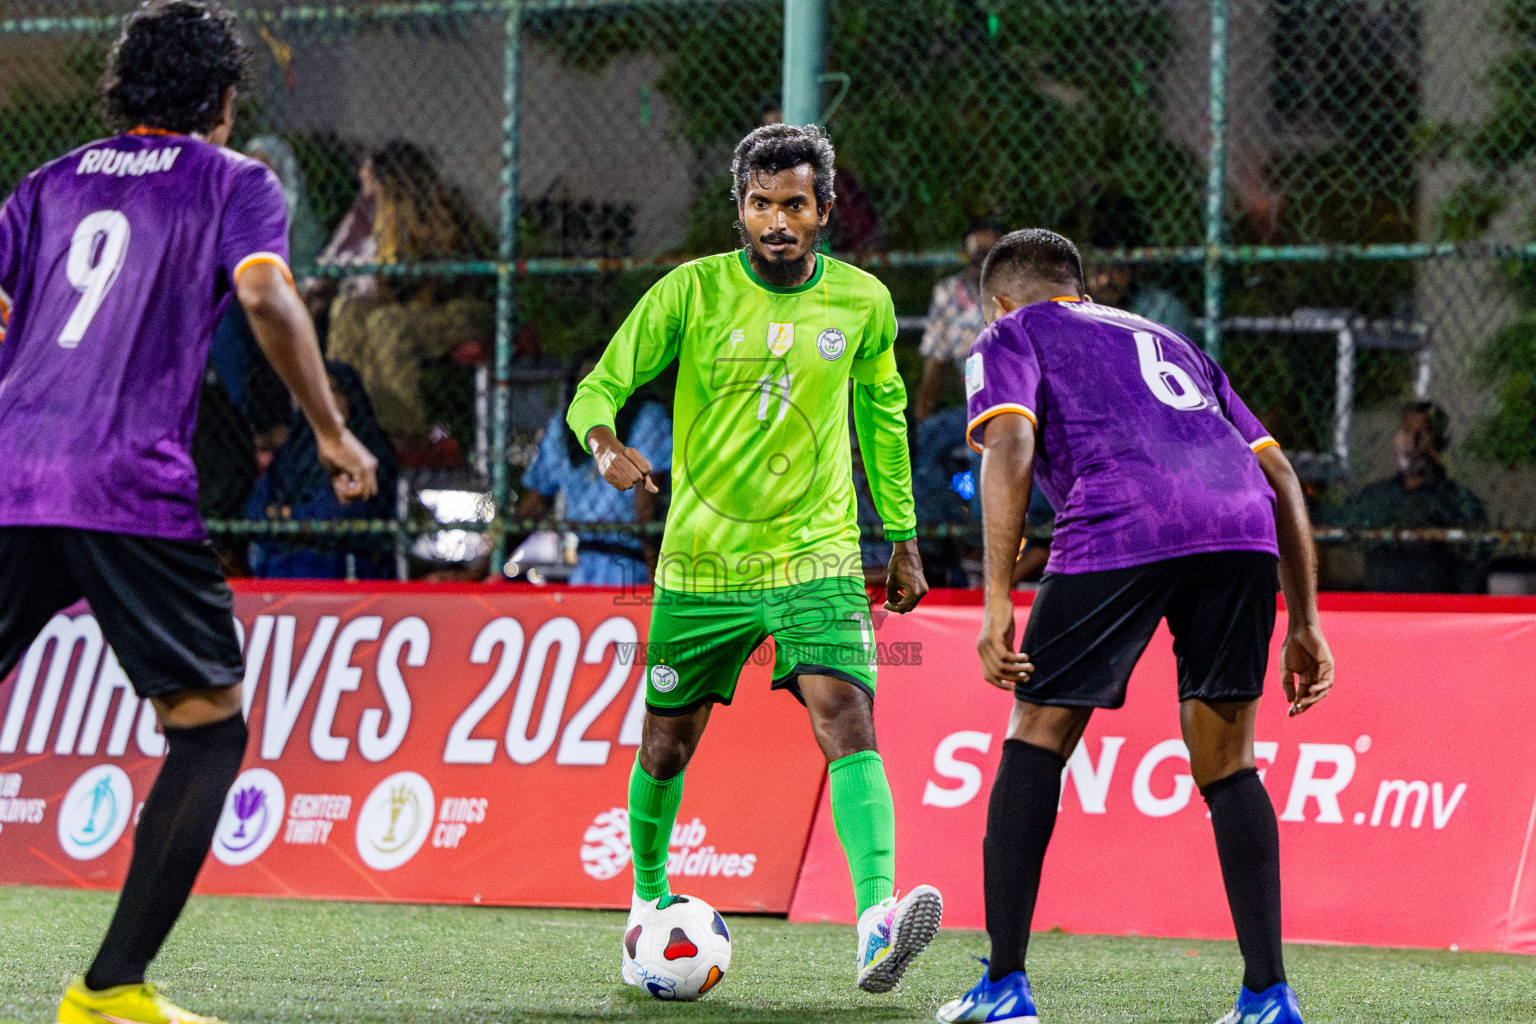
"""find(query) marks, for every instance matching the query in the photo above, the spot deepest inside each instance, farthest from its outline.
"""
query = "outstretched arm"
(1306, 662)
(286, 334)
(1007, 473)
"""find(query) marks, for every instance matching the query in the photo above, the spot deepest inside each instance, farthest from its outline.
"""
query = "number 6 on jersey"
(96, 254)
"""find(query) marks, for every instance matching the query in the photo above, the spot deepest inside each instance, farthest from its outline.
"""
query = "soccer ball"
(681, 952)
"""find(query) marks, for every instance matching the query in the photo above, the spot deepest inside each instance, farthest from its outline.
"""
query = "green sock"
(865, 818)
(652, 810)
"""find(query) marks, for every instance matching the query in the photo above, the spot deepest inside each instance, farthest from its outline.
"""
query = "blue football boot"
(1275, 1005)
(993, 1002)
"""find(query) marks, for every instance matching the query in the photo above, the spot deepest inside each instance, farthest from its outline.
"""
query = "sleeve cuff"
(262, 257)
(896, 536)
(1262, 443)
(998, 410)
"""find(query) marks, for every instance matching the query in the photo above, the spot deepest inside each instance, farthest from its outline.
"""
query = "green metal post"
(506, 297)
(1216, 181)
(805, 45)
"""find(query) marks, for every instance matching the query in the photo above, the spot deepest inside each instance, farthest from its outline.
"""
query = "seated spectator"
(351, 244)
(563, 473)
(409, 319)
(1124, 287)
(1421, 495)
(296, 487)
(954, 320)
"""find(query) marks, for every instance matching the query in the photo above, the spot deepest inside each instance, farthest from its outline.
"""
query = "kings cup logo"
(253, 815)
(95, 812)
(780, 338)
(395, 821)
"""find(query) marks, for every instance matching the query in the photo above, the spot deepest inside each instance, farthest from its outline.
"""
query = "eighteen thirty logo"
(95, 812)
(395, 821)
(253, 815)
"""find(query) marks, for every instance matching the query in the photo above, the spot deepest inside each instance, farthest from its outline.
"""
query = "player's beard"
(780, 273)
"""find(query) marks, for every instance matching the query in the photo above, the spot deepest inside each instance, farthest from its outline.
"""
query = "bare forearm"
(1007, 467)
(1293, 529)
(286, 335)
(928, 387)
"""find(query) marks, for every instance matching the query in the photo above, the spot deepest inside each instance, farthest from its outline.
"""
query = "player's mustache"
(778, 236)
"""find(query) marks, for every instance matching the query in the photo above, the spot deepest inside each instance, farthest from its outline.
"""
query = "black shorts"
(162, 605)
(1087, 630)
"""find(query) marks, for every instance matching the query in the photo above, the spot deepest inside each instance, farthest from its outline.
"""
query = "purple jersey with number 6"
(115, 264)
(1142, 446)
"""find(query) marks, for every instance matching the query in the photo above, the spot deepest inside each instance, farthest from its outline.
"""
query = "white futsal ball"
(682, 952)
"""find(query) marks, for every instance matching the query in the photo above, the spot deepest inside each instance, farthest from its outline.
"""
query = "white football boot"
(641, 912)
(894, 931)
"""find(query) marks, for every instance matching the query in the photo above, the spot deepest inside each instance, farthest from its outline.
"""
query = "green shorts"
(699, 643)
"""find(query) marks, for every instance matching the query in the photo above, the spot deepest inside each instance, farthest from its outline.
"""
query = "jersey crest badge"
(780, 337)
(663, 678)
(975, 378)
(831, 343)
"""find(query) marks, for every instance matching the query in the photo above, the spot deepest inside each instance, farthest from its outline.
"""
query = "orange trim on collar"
(145, 129)
(1066, 298)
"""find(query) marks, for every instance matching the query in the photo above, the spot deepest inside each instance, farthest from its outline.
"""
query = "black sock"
(1248, 843)
(170, 844)
(1020, 818)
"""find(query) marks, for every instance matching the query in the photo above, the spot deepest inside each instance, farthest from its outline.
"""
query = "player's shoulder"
(1008, 331)
(845, 275)
(705, 267)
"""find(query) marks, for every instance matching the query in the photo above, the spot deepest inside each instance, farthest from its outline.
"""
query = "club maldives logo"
(606, 850)
(605, 847)
(395, 821)
(253, 815)
(95, 812)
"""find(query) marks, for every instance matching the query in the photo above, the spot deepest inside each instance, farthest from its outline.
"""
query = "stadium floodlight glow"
(458, 506)
(455, 506)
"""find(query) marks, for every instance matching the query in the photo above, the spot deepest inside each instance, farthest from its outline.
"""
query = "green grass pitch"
(277, 961)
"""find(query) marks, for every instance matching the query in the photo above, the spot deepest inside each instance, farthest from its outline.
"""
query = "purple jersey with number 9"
(1142, 446)
(115, 264)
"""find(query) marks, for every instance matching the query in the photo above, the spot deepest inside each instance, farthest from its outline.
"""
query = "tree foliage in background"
(957, 110)
(1498, 151)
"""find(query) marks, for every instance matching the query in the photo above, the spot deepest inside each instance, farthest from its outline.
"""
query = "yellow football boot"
(124, 1004)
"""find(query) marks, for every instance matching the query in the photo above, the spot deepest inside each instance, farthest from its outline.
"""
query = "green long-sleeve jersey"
(762, 473)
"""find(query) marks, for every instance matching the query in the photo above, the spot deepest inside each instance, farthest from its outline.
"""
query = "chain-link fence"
(1331, 194)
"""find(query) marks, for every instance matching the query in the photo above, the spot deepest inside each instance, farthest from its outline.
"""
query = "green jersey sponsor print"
(762, 470)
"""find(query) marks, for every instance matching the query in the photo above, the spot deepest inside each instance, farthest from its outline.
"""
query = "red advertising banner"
(1407, 799)
(444, 744)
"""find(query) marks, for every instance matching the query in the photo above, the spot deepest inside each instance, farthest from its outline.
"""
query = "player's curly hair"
(1033, 253)
(170, 67)
(779, 147)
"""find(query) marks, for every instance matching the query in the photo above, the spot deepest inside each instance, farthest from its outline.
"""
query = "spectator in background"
(409, 319)
(563, 473)
(351, 245)
(940, 454)
(954, 320)
(1120, 285)
(1421, 495)
(296, 486)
